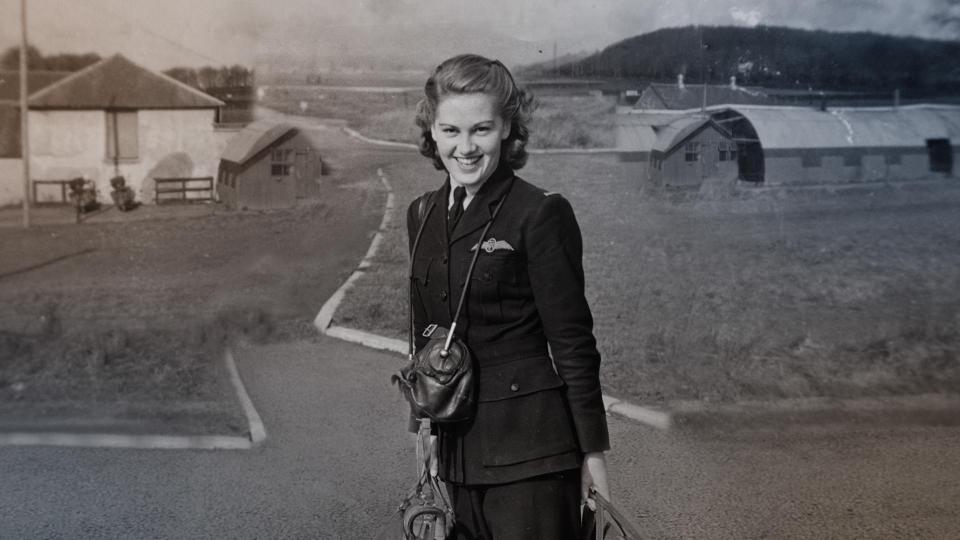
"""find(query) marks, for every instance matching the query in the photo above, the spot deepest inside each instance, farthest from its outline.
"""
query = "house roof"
(672, 96)
(36, 80)
(806, 127)
(116, 82)
(254, 139)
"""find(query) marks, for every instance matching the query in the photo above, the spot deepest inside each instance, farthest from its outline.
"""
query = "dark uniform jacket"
(534, 416)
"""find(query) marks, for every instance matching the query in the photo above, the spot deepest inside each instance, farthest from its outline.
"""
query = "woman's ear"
(507, 128)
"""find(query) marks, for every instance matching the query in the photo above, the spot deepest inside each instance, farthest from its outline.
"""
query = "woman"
(520, 467)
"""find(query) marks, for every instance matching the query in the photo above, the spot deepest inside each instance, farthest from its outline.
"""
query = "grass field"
(832, 295)
(559, 121)
(130, 316)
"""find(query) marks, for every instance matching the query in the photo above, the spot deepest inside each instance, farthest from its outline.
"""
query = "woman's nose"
(466, 145)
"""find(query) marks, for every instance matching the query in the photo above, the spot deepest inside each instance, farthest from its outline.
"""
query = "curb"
(325, 315)
(916, 410)
(257, 433)
(643, 415)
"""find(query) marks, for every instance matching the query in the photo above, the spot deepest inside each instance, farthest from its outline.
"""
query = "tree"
(11, 58)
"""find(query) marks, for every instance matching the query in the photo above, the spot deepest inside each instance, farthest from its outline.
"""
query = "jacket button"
(514, 387)
(443, 295)
(443, 260)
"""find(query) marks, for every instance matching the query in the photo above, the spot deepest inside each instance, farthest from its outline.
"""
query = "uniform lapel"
(481, 207)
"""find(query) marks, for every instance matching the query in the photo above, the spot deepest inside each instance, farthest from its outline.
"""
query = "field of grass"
(848, 295)
(559, 121)
(110, 315)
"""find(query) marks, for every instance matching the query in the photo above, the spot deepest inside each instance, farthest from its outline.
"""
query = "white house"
(118, 118)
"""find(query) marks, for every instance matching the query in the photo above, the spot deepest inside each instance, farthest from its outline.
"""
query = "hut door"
(941, 155)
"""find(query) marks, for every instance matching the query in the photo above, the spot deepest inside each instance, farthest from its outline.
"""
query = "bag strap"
(466, 284)
(424, 211)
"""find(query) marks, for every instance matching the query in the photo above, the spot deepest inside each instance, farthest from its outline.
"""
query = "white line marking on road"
(258, 432)
(147, 442)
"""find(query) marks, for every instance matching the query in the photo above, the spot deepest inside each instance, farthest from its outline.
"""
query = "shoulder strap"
(423, 211)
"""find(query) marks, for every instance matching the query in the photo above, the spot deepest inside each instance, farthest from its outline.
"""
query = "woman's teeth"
(467, 162)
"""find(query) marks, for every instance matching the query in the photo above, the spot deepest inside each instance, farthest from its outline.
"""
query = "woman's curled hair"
(470, 74)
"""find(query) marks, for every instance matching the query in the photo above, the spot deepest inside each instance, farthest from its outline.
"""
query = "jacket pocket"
(523, 412)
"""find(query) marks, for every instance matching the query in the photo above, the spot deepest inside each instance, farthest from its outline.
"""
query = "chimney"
(733, 82)
(680, 81)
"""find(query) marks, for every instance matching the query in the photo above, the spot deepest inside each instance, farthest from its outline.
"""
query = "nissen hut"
(268, 165)
(775, 145)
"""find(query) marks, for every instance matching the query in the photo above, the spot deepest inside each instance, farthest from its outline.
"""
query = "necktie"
(456, 210)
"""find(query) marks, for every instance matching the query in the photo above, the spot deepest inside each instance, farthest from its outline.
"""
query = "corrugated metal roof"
(253, 139)
(804, 127)
(116, 82)
(691, 97)
(36, 80)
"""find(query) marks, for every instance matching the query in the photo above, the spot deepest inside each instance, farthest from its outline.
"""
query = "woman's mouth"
(468, 161)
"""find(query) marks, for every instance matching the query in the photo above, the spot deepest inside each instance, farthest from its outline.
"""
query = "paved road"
(337, 459)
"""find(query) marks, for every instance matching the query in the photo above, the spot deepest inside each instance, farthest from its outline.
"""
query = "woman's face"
(469, 131)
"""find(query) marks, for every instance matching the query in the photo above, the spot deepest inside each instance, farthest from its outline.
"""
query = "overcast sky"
(161, 34)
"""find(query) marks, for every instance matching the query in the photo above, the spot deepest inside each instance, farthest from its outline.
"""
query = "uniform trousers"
(540, 508)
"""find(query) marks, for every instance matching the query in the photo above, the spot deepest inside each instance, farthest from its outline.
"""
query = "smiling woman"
(519, 466)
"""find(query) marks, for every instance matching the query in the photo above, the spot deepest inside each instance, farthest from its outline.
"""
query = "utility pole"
(24, 115)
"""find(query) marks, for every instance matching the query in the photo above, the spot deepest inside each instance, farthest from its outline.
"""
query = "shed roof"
(805, 127)
(116, 82)
(674, 97)
(254, 139)
(36, 80)
(677, 132)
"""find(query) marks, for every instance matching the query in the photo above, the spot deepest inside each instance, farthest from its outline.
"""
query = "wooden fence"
(183, 190)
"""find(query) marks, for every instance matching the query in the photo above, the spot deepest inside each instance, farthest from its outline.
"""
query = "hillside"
(780, 57)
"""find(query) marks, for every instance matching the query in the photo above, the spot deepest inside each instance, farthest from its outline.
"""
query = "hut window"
(811, 158)
(122, 135)
(851, 159)
(892, 158)
(728, 151)
(691, 151)
(281, 162)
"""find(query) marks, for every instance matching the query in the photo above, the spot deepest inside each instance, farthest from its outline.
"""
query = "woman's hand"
(593, 473)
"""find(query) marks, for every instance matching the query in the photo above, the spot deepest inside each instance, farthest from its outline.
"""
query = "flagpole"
(24, 115)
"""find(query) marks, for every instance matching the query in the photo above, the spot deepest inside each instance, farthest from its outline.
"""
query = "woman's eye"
(449, 131)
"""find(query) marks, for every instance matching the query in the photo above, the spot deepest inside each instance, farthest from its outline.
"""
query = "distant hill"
(780, 57)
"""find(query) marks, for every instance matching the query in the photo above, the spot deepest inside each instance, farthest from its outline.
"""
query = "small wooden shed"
(268, 165)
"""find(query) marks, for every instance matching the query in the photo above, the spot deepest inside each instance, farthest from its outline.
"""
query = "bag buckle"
(429, 330)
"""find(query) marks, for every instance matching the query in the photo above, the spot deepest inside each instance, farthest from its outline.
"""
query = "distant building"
(268, 165)
(690, 149)
(774, 145)
(680, 96)
(116, 117)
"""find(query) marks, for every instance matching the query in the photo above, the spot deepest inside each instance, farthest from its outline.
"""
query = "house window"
(893, 158)
(281, 162)
(691, 151)
(122, 135)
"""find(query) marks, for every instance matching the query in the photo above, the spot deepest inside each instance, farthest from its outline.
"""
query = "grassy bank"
(130, 316)
(559, 121)
(851, 300)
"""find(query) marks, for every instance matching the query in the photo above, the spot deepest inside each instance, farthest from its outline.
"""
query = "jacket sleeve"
(554, 260)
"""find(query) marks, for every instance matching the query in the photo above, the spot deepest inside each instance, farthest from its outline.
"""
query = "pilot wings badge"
(492, 244)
